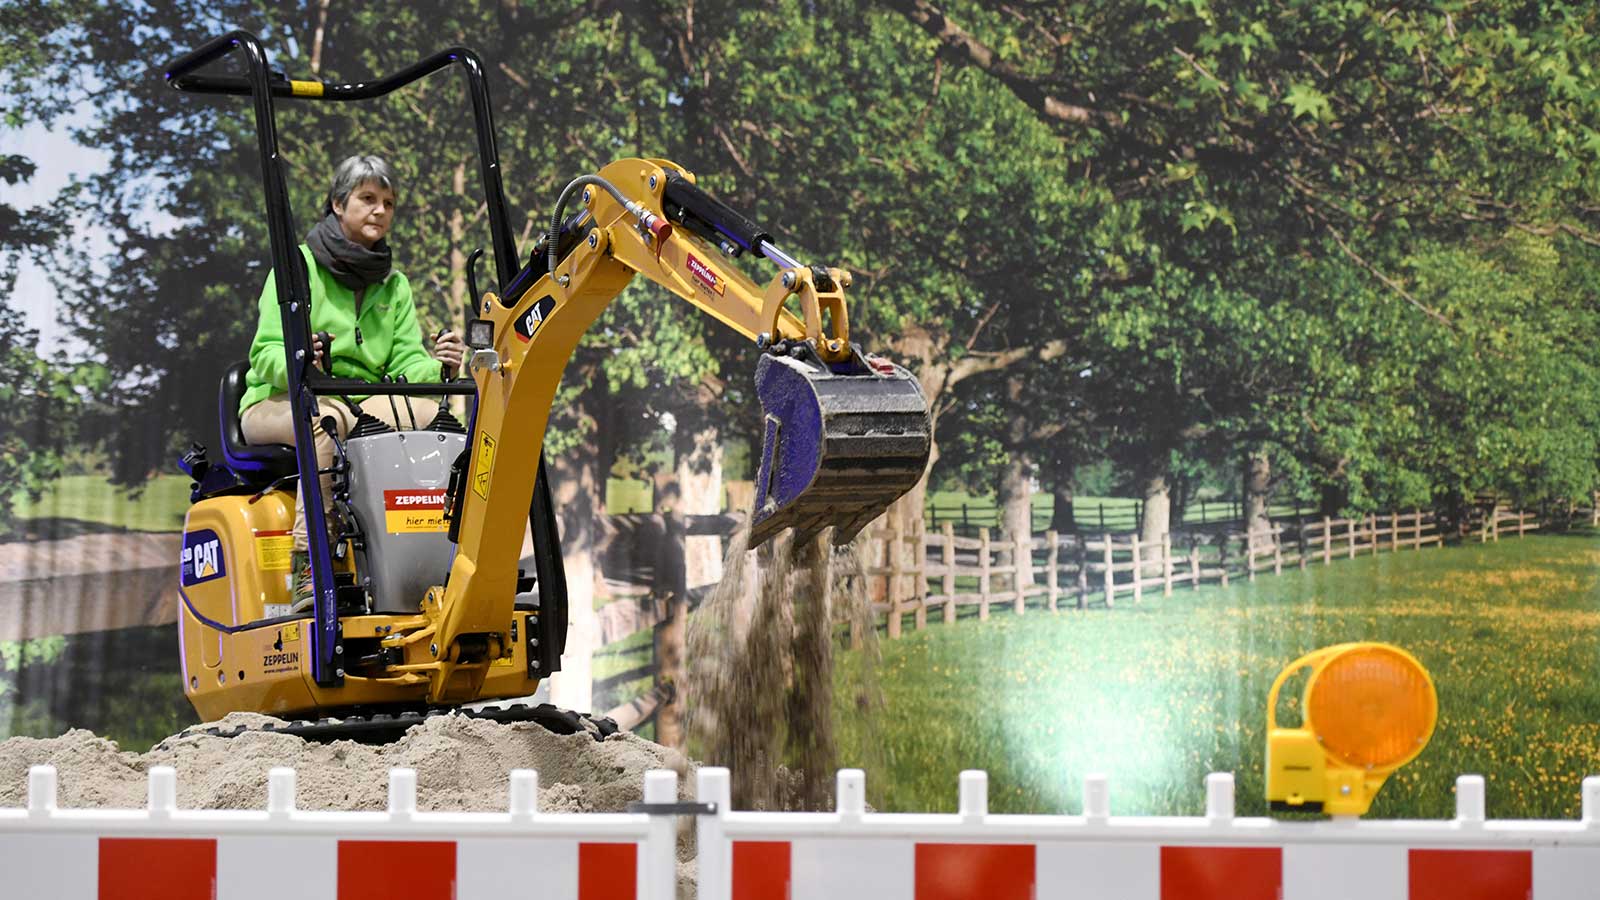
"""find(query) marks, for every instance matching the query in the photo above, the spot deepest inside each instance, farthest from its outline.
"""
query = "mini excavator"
(420, 602)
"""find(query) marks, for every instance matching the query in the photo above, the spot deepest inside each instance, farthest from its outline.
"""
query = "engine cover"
(397, 491)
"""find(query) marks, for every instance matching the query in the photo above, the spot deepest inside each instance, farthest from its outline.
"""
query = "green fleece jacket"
(391, 341)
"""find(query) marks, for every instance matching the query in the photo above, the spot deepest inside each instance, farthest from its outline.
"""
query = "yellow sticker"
(290, 632)
(503, 662)
(480, 481)
(272, 550)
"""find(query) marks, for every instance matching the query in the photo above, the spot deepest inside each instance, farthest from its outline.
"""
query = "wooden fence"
(944, 571)
(940, 571)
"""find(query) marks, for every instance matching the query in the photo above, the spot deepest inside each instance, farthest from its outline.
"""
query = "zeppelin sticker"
(707, 276)
(414, 511)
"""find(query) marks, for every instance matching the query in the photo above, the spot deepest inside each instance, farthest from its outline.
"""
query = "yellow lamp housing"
(1369, 709)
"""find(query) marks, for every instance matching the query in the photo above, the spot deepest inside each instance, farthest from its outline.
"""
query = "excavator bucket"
(842, 441)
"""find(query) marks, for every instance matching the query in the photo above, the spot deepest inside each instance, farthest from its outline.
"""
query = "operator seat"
(257, 464)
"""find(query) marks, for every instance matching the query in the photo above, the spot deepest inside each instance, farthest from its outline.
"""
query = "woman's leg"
(271, 421)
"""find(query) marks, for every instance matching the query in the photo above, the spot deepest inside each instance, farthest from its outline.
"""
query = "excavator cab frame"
(306, 382)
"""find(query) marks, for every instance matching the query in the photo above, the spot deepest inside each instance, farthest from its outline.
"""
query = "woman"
(366, 308)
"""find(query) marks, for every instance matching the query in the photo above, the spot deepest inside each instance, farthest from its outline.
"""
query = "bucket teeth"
(840, 443)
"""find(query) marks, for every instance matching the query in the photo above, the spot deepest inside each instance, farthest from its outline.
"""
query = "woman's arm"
(408, 356)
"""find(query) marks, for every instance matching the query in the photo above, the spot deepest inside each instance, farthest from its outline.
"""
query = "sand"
(761, 683)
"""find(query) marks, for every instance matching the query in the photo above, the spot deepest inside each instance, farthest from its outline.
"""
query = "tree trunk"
(1015, 499)
(699, 477)
(1062, 518)
(579, 497)
(578, 485)
(1157, 507)
(1257, 488)
(455, 315)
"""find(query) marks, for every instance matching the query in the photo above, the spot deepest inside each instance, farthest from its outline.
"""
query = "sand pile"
(462, 765)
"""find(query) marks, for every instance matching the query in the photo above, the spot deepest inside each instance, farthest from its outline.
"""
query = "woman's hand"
(449, 349)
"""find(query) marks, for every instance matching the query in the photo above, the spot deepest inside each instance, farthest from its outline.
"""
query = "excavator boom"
(844, 434)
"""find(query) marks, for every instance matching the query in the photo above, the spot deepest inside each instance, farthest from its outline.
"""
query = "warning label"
(485, 464)
(411, 511)
(272, 550)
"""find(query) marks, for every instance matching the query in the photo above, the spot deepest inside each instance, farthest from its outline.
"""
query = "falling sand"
(761, 682)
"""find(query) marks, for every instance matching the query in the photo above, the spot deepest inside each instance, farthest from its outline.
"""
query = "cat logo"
(202, 557)
(529, 322)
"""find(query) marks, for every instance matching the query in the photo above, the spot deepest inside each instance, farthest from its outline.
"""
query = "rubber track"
(382, 728)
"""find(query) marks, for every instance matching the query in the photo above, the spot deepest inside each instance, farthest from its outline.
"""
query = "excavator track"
(383, 728)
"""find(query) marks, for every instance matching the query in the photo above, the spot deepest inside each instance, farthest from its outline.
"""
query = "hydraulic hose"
(566, 195)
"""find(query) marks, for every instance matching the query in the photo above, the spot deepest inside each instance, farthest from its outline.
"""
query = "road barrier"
(172, 854)
(851, 853)
(281, 852)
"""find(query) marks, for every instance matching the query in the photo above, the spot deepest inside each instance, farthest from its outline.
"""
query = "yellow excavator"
(420, 604)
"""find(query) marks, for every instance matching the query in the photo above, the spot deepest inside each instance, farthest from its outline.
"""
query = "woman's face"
(366, 213)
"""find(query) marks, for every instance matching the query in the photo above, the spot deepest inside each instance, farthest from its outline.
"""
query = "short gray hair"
(356, 171)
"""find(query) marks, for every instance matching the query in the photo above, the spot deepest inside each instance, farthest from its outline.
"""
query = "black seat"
(256, 463)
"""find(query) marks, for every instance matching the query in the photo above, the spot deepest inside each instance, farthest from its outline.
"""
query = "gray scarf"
(352, 265)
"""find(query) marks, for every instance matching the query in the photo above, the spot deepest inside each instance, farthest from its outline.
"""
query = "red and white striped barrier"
(286, 854)
(851, 854)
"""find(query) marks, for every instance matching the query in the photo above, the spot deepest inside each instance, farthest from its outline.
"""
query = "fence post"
(1394, 532)
(1416, 528)
(1222, 547)
(1276, 533)
(1101, 507)
(919, 558)
(983, 580)
(1202, 512)
(1055, 585)
(1350, 533)
(1021, 562)
(1522, 522)
(891, 559)
(1081, 545)
(1111, 580)
(949, 571)
(1250, 553)
(1138, 572)
(1194, 562)
(1166, 564)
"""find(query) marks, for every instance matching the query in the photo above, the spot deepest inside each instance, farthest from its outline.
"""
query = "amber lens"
(1371, 706)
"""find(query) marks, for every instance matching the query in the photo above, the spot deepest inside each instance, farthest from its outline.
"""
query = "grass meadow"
(1156, 696)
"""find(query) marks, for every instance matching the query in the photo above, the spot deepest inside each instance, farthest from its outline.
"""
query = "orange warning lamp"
(1368, 710)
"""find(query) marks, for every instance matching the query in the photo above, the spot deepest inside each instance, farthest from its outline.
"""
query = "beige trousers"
(271, 421)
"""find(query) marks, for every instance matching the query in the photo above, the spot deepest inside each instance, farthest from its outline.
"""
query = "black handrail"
(180, 75)
(294, 304)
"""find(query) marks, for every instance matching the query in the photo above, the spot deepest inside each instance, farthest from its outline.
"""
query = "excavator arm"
(845, 434)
